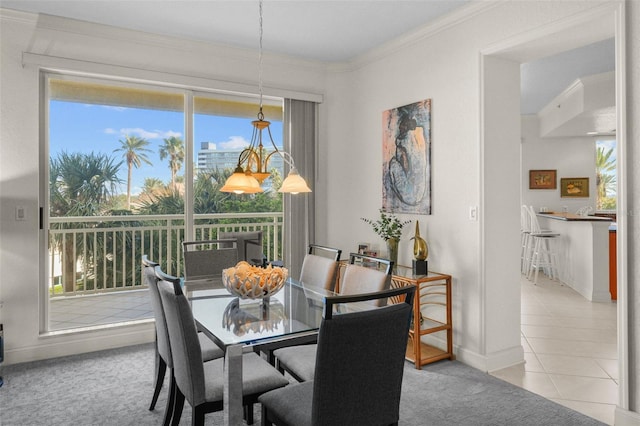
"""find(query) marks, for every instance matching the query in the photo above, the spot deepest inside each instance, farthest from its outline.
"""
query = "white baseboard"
(492, 362)
(82, 342)
(624, 417)
(487, 363)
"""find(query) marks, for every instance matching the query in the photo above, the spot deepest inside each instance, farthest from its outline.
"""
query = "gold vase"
(392, 250)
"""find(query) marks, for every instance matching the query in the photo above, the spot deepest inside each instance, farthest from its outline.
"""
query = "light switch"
(21, 213)
(473, 213)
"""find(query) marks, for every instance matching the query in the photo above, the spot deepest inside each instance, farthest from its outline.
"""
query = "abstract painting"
(406, 158)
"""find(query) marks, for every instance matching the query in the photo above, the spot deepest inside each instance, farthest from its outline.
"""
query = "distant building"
(211, 158)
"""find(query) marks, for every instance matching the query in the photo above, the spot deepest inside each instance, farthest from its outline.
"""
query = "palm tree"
(173, 148)
(79, 185)
(134, 151)
(605, 180)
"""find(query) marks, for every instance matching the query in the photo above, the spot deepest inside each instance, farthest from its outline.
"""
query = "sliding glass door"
(136, 169)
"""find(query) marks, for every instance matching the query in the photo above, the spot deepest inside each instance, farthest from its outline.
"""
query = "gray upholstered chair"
(299, 361)
(249, 245)
(163, 350)
(204, 261)
(202, 383)
(358, 370)
(320, 271)
(365, 274)
(320, 266)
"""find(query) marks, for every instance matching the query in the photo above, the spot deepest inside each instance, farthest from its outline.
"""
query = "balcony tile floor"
(99, 309)
(570, 349)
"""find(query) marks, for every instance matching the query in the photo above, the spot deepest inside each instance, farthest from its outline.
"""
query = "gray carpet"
(114, 387)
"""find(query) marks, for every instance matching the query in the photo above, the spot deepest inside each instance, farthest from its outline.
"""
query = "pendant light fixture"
(252, 168)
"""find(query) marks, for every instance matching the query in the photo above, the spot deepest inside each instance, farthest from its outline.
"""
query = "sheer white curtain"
(300, 133)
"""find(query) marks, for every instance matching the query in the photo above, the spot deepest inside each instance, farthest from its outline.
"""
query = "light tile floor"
(570, 349)
(99, 309)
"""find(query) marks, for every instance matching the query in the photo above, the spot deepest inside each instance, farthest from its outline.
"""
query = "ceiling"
(319, 30)
(543, 79)
(323, 30)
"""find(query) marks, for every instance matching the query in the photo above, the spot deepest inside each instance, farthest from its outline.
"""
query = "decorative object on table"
(420, 253)
(406, 158)
(389, 227)
(253, 165)
(542, 179)
(363, 248)
(252, 282)
(574, 187)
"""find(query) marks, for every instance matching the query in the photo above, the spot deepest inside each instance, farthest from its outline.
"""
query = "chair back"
(249, 245)
(525, 219)
(329, 252)
(186, 352)
(162, 335)
(318, 270)
(360, 361)
(206, 258)
(533, 221)
(372, 262)
(358, 279)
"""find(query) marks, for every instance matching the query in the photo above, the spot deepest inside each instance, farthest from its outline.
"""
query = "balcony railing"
(97, 254)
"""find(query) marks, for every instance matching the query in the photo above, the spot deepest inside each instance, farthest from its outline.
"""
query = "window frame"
(188, 94)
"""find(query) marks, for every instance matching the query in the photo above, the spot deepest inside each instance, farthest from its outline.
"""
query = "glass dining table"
(290, 317)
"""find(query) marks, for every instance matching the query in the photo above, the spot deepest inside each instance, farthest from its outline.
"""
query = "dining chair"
(206, 259)
(249, 245)
(320, 266)
(299, 361)
(365, 274)
(200, 383)
(358, 371)
(319, 269)
(163, 349)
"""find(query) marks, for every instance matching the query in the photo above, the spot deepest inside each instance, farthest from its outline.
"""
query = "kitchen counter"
(584, 252)
(572, 217)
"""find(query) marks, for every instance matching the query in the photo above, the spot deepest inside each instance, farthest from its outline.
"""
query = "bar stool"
(525, 239)
(544, 251)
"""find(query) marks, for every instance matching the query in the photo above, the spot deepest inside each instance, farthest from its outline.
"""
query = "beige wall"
(444, 64)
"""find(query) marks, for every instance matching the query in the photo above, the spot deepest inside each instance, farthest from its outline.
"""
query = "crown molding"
(84, 28)
(432, 28)
(18, 16)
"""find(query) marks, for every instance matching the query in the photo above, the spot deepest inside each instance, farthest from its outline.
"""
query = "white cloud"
(234, 142)
(146, 134)
(115, 108)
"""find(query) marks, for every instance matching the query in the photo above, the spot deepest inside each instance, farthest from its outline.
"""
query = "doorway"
(504, 60)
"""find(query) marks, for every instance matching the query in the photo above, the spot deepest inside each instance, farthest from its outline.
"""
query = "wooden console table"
(431, 313)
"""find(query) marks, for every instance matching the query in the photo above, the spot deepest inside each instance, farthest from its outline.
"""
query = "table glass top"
(407, 272)
(297, 308)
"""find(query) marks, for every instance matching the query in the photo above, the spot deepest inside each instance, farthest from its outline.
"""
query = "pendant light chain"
(244, 180)
(260, 114)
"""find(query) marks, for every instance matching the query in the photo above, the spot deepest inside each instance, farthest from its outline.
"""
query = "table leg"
(233, 386)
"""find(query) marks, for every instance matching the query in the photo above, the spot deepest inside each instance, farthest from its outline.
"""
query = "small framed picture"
(542, 179)
(574, 187)
(363, 248)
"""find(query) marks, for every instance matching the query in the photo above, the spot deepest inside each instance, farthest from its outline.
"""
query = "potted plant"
(389, 228)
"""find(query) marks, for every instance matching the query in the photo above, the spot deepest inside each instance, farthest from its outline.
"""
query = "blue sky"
(78, 127)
